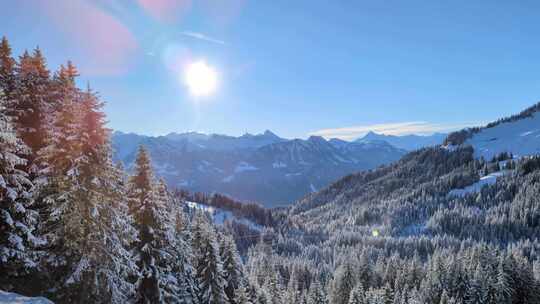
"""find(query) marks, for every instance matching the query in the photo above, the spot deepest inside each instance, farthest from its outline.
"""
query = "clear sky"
(334, 68)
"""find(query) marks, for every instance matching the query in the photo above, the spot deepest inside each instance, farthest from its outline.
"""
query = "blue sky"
(332, 68)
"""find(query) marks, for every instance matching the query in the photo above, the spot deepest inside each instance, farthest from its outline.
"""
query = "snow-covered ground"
(13, 298)
(219, 216)
(521, 137)
(489, 179)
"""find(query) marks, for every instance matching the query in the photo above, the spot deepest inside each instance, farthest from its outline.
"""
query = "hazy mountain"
(407, 142)
(261, 167)
(224, 142)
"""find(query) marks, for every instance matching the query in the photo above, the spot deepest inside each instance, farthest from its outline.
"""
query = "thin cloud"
(203, 37)
(400, 128)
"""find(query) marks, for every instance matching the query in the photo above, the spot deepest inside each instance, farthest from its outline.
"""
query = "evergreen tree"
(342, 284)
(7, 71)
(209, 276)
(357, 295)
(232, 266)
(317, 295)
(241, 296)
(87, 211)
(33, 107)
(17, 220)
(151, 249)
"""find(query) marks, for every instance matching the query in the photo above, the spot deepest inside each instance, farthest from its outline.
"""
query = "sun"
(200, 78)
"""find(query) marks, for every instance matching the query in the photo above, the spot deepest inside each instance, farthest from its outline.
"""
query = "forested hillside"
(422, 230)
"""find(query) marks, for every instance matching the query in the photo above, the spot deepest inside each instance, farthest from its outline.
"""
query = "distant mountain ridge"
(407, 142)
(262, 167)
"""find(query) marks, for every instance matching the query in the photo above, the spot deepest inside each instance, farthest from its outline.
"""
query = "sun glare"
(200, 78)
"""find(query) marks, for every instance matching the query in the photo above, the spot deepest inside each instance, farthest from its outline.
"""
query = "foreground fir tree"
(88, 225)
(17, 220)
(232, 266)
(161, 254)
(208, 264)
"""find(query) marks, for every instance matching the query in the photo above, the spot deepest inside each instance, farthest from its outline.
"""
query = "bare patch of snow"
(487, 180)
(219, 216)
(13, 298)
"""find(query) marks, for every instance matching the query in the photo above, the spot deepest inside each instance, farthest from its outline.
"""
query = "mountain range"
(262, 167)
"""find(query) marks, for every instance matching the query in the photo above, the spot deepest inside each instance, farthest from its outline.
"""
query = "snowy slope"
(219, 216)
(487, 180)
(13, 298)
(520, 137)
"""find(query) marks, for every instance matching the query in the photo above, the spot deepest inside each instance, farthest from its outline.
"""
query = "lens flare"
(200, 78)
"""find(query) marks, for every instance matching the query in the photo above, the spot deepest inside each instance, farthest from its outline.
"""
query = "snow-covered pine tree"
(232, 266)
(7, 70)
(241, 296)
(342, 285)
(33, 105)
(358, 295)
(87, 208)
(317, 295)
(210, 279)
(273, 288)
(17, 220)
(149, 249)
(177, 275)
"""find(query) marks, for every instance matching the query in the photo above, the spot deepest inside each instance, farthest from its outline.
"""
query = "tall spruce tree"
(86, 207)
(17, 219)
(232, 266)
(162, 255)
(209, 267)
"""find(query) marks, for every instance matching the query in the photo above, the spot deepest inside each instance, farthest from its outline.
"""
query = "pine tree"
(87, 211)
(357, 295)
(17, 220)
(210, 275)
(342, 284)
(7, 70)
(241, 296)
(503, 285)
(273, 288)
(232, 266)
(317, 294)
(151, 248)
(33, 106)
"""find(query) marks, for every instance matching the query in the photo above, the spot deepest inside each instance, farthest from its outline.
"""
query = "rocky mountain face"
(263, 167)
